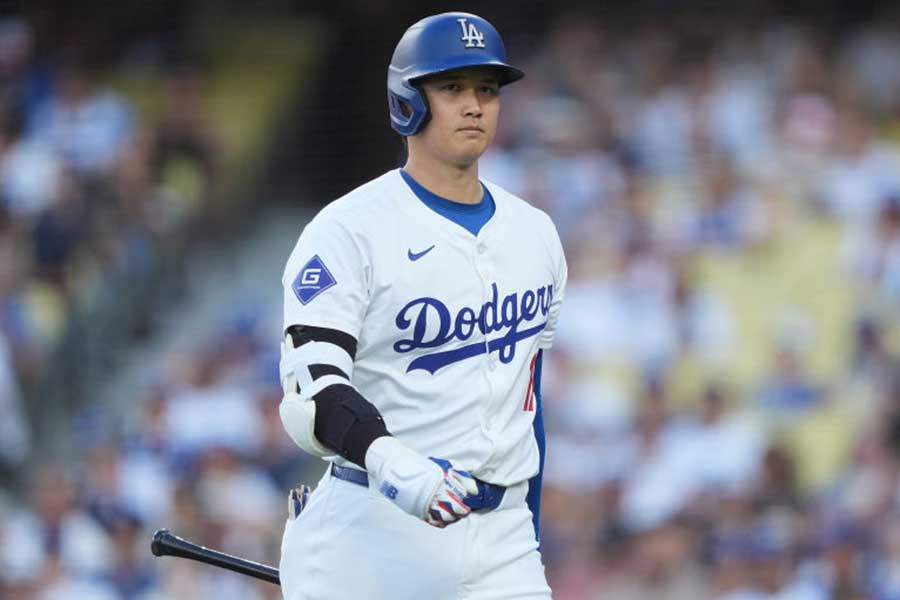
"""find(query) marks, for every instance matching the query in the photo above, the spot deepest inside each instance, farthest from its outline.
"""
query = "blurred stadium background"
(722, 403)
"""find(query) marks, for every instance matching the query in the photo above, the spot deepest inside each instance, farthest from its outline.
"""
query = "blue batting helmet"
(434, 45)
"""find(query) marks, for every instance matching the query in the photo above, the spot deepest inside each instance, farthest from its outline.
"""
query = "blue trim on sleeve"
(471, 217)
(533, 499)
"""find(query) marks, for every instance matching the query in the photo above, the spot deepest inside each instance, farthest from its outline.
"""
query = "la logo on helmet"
(470, 34)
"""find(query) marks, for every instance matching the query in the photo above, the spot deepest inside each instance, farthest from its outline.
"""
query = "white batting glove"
(420, 486)
(445, 506)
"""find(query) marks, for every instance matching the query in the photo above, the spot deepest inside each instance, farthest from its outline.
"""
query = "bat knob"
(156, 546)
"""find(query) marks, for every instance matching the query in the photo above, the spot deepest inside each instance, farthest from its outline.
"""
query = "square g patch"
(313, 279)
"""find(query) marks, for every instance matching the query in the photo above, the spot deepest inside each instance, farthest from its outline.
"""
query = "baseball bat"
(166, 543)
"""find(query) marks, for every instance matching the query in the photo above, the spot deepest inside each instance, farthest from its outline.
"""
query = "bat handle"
(166, 543)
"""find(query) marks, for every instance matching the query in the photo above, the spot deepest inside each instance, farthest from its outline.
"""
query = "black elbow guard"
(346, 422)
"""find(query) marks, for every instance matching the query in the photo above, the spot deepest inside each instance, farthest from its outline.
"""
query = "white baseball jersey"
(448, 323)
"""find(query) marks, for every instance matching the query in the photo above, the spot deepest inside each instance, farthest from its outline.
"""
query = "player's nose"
(471, 104)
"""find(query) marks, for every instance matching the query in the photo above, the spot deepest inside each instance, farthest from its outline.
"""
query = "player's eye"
(490, 89)
(451, 86)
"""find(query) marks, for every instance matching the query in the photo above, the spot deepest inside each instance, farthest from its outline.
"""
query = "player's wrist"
(403, 475)
(384, 450)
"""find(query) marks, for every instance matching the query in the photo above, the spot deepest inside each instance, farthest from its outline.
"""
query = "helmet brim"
(506, 74)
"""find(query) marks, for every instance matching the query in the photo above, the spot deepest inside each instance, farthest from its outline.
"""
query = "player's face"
(464, 106)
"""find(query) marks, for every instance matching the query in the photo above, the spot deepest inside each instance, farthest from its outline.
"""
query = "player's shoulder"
(361, 206)
(346, 226)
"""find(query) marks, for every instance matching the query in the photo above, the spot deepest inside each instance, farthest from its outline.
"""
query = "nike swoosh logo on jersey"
(417, 255)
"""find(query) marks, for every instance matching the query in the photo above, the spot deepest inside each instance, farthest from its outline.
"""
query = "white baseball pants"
(351, 543)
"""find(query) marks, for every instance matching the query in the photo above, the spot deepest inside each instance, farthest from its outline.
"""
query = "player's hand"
(448, 504)
(431, 490)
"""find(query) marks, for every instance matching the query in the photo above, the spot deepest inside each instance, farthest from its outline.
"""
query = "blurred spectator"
(872, 359)
(185, 154)
(729, 445)
(776, 483)
(86, 124)
(223, 477)
(207, 412)
(659, 483)
(662, 565)
(776, 565)
(886, 568)
(862, 172)
(60, 584)
(23, 84)
(58, 231)
(729, 214)
(668, 122)
(866, 489)
(789, 388)
(15, 433)
(873, 253)
(870, 58)
(131, 574)
(57, 534)
(30, 172)
(122, 485)
(704, 323)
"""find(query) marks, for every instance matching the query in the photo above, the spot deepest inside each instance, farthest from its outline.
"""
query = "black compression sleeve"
(345, 421)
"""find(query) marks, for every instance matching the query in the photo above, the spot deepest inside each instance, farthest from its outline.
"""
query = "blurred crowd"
(94, 199)
(202, 453)
(89, 194)
(671, 472)
(656, 153)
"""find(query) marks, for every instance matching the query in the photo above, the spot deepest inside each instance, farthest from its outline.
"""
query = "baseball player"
(416, 310)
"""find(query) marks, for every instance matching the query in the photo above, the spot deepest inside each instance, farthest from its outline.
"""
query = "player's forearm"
(322, 411)
(347, 423)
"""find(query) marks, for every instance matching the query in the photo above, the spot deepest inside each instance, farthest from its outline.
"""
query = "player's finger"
(440, 516)
(457, 505)
(434, 521)
(465, 480)
(447, 509)
(455, 487)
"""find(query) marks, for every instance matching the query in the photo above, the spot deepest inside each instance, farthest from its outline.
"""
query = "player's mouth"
(471, 128)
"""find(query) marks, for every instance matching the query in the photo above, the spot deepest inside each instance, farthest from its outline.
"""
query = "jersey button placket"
(483, 271)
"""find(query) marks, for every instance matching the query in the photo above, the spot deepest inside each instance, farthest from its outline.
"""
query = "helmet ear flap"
(399, 105)
(408, 108)
(427, 117)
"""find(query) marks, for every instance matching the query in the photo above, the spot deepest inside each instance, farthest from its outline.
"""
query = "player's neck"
(452, 182)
